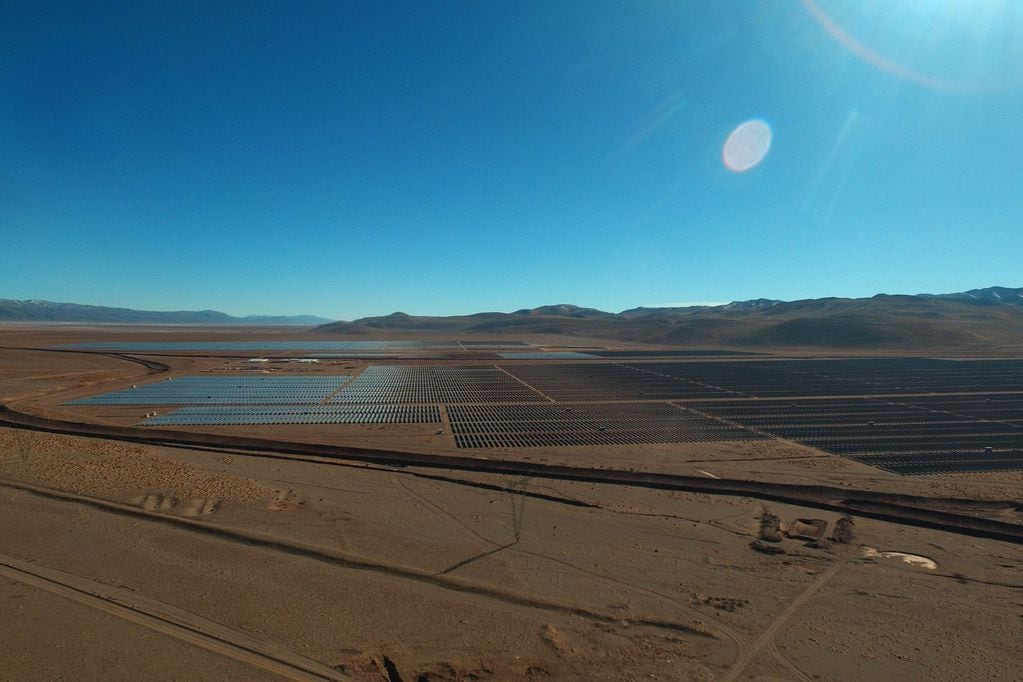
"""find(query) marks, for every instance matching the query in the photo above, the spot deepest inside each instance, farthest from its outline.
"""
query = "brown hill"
(982, 319)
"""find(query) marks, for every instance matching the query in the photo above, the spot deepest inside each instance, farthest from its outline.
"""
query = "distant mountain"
(47, 311)
(564, 310)
(755, 304)
(993, 295)
(977, 319)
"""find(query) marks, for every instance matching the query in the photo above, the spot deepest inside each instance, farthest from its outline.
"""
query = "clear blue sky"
(352, 159)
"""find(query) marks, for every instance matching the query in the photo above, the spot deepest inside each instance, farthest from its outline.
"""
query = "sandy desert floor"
(123, 560)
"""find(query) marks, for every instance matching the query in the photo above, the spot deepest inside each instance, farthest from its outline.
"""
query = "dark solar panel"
(548, 355)
(434, 384)
(546, 425)
(905, 435)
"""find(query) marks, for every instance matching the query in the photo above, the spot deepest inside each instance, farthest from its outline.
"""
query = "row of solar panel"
(850, 377)
(781, 378)
(427, 384)
(526, 440)
(224, 390)
(945, 462)
(651, 429)
(678, 353)
(548, 355)
(319, 414)
(873, 429)
(423, 382)
(382, 355)
(313, 409)
(220, 399)
(550, 424)
(353, 398)
(289, 345)
(561, 411)
(429, 370)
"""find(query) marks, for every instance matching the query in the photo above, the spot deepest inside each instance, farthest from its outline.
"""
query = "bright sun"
(952, 45)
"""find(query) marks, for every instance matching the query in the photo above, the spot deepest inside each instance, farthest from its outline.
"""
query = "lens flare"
(992, 13)
(746, 146)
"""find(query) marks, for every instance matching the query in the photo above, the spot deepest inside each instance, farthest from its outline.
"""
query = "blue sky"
(352, 159)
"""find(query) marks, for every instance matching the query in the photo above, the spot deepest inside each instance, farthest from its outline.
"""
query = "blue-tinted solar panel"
(311, 414)
(224, 390)
(287, 345)
(435, 384)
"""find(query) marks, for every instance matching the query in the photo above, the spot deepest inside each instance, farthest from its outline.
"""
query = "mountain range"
(48, 311)
(976, 319)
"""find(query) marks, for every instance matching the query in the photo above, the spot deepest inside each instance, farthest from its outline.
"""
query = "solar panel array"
(434, 384)
(387, 355)
(675, 353)
(879, 376)
(289, 345)
(694, 380)
(970, 418)
(903, 435)
(494, 344)
(921, 375)
(946, 462)
(224, 390)
(544, 425)
(311, 414)
(762, 379)
(603, 382)
(548, 355)
(1006, 407)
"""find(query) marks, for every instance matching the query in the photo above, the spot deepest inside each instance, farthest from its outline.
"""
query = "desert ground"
(387, 552)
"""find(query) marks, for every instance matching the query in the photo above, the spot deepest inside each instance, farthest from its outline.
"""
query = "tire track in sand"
(766, 637)
(169, 620)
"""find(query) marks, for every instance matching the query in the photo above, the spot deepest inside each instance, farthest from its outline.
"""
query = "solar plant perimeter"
(907, 416)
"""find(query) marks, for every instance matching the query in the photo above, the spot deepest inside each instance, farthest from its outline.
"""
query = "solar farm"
(902, 415)
(644, 484)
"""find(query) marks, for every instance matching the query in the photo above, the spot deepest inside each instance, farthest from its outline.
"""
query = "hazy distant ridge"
(980, 318)
(976, 319)
(48, 311)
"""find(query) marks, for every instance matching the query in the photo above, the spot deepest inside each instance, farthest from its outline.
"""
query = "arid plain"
(402, 551)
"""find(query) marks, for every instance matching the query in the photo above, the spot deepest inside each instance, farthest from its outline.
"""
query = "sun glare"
(746, 146)
(916, 40)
